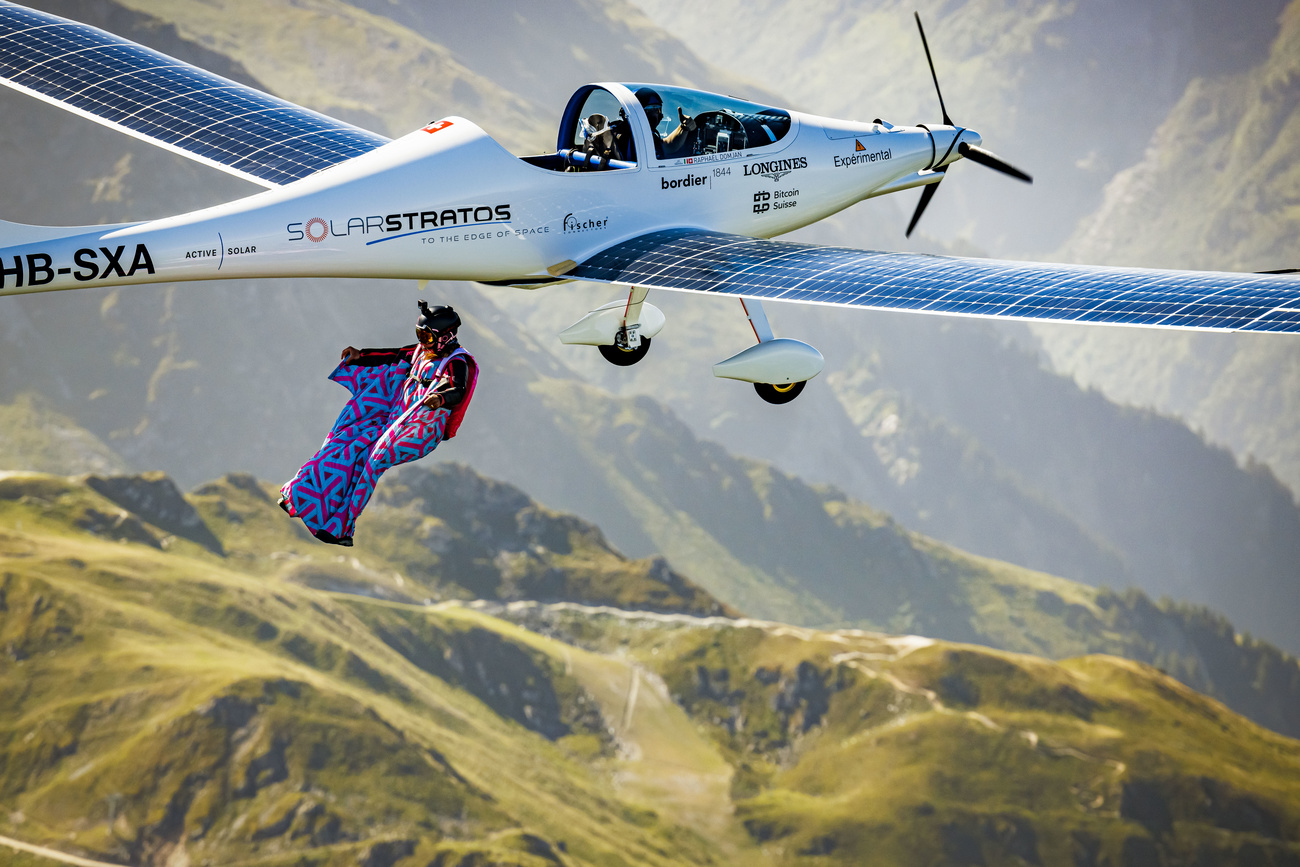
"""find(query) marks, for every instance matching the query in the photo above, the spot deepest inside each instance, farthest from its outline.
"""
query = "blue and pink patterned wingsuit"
(383, 425)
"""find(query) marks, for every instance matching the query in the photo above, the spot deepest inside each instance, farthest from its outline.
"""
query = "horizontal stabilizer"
(18, 234)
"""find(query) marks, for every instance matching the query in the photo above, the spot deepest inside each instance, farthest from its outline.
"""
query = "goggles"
(435, 340)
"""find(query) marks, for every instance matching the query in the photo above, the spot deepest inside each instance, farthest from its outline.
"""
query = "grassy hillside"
(756, 538)
(856, 748)
(167, 704)
(160, 704)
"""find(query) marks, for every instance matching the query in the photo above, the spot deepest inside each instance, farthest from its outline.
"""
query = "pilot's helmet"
(653, 104)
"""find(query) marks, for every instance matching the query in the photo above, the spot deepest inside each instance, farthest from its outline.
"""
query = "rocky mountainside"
(957, 433)
(1194, 169)
(167, 703)
(1216, 189)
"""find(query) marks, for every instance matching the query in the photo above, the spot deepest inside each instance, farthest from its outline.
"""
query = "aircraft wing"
(701, 261)
(157, 98)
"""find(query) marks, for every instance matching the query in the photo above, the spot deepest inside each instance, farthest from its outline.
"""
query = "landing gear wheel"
(625, 357)
(777, 393)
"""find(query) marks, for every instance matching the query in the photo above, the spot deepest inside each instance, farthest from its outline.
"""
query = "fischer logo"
(681, 183)
(776, 169)
(572, 224)
(317, 229)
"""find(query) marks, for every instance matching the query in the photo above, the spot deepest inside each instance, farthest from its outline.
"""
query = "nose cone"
(970, 137)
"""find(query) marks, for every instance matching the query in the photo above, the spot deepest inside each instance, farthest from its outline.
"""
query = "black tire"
(779, 393)
(625, 357)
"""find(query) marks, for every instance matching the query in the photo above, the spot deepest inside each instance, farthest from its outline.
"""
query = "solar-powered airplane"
(632, 195)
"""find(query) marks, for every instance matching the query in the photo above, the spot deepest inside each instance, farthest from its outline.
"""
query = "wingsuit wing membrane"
(166, 102)
(701, 261)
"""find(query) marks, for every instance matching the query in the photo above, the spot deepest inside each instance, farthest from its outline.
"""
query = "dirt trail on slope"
(664, 761)
(54, 854)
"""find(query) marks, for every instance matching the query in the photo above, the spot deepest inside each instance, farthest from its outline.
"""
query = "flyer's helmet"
(436, 327)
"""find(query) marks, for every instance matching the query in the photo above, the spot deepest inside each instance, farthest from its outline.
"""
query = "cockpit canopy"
(607, 122)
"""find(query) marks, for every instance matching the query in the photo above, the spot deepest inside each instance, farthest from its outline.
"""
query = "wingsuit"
(404, 402)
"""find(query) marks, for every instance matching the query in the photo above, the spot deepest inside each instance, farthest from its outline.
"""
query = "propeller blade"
(926, 195)
(930, 60)
(992, 161)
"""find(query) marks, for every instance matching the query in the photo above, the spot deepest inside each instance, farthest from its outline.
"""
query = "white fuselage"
(448, 203)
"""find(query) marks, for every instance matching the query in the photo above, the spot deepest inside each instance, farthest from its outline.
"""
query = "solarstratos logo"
(391, 226)
(776, 169)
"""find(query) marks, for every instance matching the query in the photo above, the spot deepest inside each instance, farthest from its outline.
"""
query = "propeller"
(927, 193)
(930, 60)
(975, 154)
(992, 161)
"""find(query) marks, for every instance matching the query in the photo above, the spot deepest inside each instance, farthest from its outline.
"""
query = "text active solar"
(780, 270)
(124, 85)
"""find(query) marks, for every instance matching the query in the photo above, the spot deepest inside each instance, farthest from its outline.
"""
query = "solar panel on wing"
(696, 260)
(155, 97)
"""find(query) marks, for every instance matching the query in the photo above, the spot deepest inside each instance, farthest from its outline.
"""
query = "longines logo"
(776, 169)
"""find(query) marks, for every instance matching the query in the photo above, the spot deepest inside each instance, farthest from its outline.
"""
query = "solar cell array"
(159, 98)
(696, 260)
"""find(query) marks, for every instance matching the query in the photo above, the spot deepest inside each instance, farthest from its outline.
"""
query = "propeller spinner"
(974, 153)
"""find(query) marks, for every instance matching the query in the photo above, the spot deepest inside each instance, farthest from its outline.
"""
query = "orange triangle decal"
(859, 145)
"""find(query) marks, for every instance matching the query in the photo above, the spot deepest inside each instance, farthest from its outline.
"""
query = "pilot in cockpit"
(677, 140)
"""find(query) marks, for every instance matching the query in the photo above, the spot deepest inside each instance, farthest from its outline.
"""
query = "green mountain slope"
(166, 704)
(448, 533)
(157, 713)
(35, 437)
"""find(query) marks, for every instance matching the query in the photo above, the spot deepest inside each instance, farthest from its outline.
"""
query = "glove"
(688, 122)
